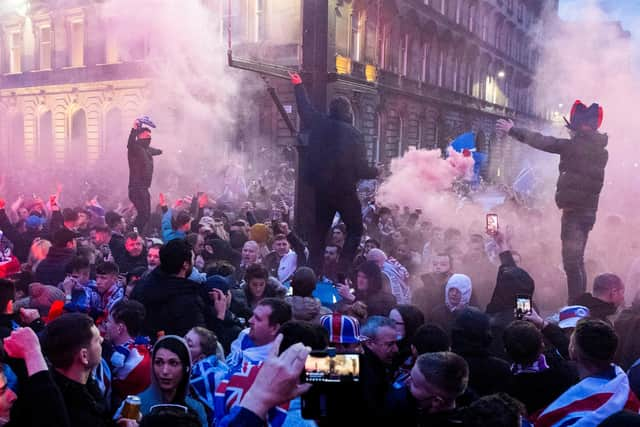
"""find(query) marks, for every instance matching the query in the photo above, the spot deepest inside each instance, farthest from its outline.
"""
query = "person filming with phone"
(583, 158)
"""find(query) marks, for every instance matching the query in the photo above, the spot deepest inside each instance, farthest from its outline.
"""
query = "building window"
(459, 12)
(404, 49)
(510, 6)
(259, 23)
(484, 27)
(111, 53)
(520, 12)
(357, 29)
(45, 48)
(443, 7)
(472, 17)
(425, 62)
(441, 65)
(401, 136)
(77, 44)
(15, 53)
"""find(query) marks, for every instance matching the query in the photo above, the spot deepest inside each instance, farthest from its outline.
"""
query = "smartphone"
(523, 306)
(335, 379)
(492, 224)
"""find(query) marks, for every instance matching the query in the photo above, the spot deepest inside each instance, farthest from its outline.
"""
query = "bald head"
(377, 255)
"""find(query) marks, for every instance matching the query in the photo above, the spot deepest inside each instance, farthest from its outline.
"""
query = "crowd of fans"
(208, 314)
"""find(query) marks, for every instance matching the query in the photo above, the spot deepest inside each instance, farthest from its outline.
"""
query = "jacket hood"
(177, 345)
(340, 109)
(304, 308)
(511, 281)
(597, 308)
(594, 137)
(462, 283)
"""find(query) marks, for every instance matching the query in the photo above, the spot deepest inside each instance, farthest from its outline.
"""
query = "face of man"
(153, 257)
(100, 238)
(199, 246)
(23, 213)
(455, 296)
(249, 253)
(193, 342)
(82, 276)
(94, 351)
(83, 220)
(385, 345)
(112, 330)
(104, 282)
(337, 236)
(134, 246)
(441, 264)
(368, 246)
(7, 398)
(281, 247)
(617, 296)
(260, 331)
(331, 255)
(425, 393)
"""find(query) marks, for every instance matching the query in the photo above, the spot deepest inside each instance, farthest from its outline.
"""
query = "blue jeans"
(576, 225)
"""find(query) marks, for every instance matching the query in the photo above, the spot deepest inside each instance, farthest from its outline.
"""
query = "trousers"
(576, 225)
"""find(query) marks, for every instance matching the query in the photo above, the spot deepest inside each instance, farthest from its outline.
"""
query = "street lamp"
(501, 74)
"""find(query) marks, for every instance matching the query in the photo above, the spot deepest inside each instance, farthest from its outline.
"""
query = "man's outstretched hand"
(295, 78)
(504, 126)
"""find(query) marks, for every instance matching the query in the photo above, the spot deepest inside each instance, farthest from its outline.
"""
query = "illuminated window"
(357, 30)
(77, 44)
(259, 23)
(45, 48)
(15, 53)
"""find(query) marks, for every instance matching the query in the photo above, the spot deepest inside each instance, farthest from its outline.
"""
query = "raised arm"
(533, 139)
(307, 113)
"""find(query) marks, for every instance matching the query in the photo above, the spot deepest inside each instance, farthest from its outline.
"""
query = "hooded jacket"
(335, 155)
(583, 159)
(140, 156)
(173, 304)
(53, 269)
(306, 308)
(153, 395)
(598, 308)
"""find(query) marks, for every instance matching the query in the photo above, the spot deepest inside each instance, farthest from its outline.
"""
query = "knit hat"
(570, 315)
(342, 329)
(42, 296)
(259, 233)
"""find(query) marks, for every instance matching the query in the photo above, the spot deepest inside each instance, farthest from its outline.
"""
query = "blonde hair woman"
(38, 252)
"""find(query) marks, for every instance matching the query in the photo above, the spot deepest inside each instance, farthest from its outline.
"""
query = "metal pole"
(315, 22)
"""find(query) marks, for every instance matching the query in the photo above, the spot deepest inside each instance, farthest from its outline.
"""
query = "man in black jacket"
(174, 304)
(140, 155)
(53, 269)
(335, 162)
(583, 159)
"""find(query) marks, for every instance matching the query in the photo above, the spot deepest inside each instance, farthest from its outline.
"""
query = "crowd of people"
(208, 318)
(205, 310)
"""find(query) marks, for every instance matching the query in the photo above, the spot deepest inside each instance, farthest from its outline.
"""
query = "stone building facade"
(64, 91)
(418, 72)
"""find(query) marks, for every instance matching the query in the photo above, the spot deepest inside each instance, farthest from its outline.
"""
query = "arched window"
(45, 137)
(78, 138)
(112, 135)
(16, 138)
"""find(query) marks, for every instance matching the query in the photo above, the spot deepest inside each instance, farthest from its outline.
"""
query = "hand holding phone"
(523, 306)
(492, 224)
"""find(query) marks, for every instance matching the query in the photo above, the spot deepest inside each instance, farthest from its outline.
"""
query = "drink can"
(131, 408)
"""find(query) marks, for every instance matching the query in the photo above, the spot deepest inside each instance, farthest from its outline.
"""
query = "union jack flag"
(232, 389)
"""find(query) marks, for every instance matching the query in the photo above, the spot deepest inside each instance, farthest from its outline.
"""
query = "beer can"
(131, 408)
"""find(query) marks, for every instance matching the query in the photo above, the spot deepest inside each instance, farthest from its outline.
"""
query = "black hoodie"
(140, 155)
(173, 304)
(335, 156)
(583, 159)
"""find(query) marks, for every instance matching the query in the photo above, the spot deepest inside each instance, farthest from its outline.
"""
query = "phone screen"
(492, 224)
(336, 369)
(523, 305)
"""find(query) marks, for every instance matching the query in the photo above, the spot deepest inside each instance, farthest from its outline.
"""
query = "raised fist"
(295, 78)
